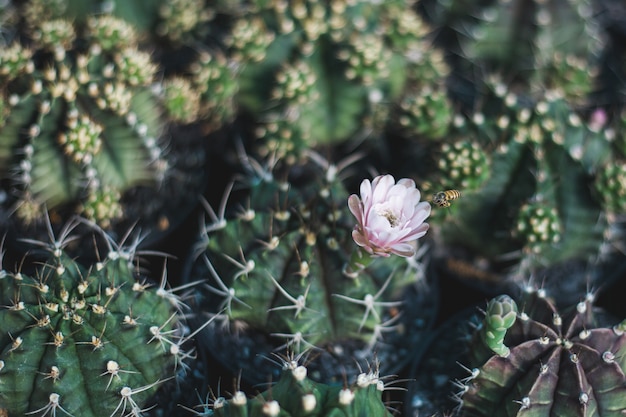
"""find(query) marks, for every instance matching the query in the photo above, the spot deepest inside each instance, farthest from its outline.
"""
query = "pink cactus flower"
(390, 216)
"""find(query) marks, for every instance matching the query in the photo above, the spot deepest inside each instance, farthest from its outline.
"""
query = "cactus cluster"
(529, 358)
(332, 67)
(90, 339)
(295, 394)
(275, 266)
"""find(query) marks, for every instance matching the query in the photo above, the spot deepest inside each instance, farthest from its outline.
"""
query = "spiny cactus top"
(80, 123)
(277, 265)
(296, 395)
(89, 341)
(530, 359)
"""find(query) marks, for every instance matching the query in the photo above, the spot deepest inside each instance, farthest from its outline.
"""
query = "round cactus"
(296, 395)
(276, 274)
(84, 128)
(88, 340)
(546, 362)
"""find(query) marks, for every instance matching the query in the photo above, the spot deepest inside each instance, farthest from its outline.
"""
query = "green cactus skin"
(331, 66)
(296, 395)
(275, 267)
(558, 363)
(82, 124)
(95, 340)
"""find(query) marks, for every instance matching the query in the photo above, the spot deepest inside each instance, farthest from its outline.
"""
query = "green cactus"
(296, 395)
(82, 124)
(331, 67)
(216, 79)
(548, 180)
(275, 268)
(546, 362)
(530, 196)
(86, 340)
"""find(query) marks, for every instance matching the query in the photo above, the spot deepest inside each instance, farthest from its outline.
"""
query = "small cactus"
(276, 267)
(85, 340)
(539, 361)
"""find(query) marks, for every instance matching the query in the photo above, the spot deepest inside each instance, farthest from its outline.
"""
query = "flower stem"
(359, 260)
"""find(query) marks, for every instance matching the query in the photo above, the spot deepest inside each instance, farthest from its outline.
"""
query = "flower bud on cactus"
(296, 395)
(555, 363)
(95, 340)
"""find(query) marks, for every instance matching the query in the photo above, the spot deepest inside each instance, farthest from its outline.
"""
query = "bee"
(443, 198)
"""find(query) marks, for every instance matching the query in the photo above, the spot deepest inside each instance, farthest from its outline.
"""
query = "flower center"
(387, 213)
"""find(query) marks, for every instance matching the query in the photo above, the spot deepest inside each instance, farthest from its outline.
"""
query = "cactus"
(333, 68)
(543, 177)
(295, 394)
(539, 193)
(88, 340)
(275, 265)
(83, 125)
(543, 362)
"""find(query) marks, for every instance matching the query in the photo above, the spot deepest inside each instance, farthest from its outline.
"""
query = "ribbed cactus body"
(525, 93)
(554, 363)
(275, 267)
(92, 340)
(296, 395)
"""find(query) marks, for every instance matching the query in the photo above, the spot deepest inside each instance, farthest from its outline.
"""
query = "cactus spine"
(296, 395)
